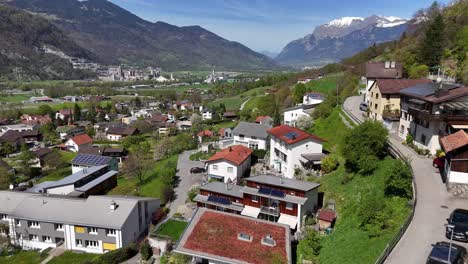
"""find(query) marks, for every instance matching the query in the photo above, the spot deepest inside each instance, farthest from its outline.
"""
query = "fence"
(396, 153)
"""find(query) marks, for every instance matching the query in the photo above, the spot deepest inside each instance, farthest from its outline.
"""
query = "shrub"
(309, 247)
(192, 193)
(167, 194)
(374, 214)
(119, 255)
(398, 180)
(259, 153)
(329, 164)
(440, 153)
(146, 251)
(409, 139)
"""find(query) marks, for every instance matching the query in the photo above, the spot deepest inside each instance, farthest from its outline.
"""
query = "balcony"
(391, 115)
(270, 210)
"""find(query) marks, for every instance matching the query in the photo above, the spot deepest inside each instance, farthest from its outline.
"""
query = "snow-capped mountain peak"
(392, 18)
(344, 21)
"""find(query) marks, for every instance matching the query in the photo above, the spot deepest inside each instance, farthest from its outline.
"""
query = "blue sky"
(265, 24)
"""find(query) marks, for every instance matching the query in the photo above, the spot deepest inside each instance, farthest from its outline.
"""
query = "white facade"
(291, 115)
(19, 128)
(72, 146)
(226, 171)
(286, 157)
(250, 142)
(312, 99)
(114, 137)
(207, 115)
(369, 84)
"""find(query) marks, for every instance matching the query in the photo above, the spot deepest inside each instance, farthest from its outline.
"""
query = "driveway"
(434, 204)
(185, 181)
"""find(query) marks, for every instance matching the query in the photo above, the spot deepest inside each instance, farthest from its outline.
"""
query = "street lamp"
(452, 228)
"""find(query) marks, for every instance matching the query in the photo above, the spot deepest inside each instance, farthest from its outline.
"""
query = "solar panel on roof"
(272, 192)
(291, 135)
(277, 193)
(264, 190)
(220, 200)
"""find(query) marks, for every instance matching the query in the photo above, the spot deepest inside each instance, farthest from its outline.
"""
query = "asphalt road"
(185, 179)
(434, 204)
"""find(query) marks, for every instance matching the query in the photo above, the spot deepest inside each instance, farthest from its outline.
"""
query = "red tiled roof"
(454, 141)
(377, 70)
(215, 234)
(394, 86)
(326, 215)
(452, 94)
(205, 133)
(235, 154)
(260, 118)
(82, 139)
(299, 135)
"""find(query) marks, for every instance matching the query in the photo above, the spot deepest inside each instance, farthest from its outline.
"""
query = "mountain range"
(116, 36)
(341, 38)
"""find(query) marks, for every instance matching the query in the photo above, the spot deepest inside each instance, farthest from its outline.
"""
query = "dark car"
(439, 162)
(459, 220)
(363, 106)
(197, 170)
(440, 254)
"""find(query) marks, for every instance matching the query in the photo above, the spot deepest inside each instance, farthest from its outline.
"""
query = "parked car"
(459, 219)
(197, 170)
(439, 162)
(440, 251)
(363, 106)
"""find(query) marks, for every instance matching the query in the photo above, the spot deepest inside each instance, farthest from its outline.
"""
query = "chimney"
(392, 65)
(113, 205)
(387, 64)
(230, 149)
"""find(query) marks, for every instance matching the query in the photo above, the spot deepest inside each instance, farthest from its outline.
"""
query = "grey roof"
(91, 160)
(76, 176)
(219, 187)
(41, 186)
(251, 129)
(284, 182)
(96, 181)
(93, 211)
(425, 89)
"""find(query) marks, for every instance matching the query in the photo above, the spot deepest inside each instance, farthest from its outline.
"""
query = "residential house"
(184, 125)
(381, 70)
(66, 132)
(118, 153)
(35, 119)
(384, 97)
(229, 115)
(207, 114)
(119, 133)
(63, 114)
(455, 169)
(85, 161)
(41, 154)
(41, 99)
(264, 120)
(219, 237)
(128, 120)
(229, 164)
(292, 149)
(203, 135)
(74, 143)
(143, 113)
(225, 132)
(312, 98)
(304, 80)
(430, 110)
(251, 135)
(12, 137)
(96, 224)
(17, 128)
(290, 115)
(31, 137)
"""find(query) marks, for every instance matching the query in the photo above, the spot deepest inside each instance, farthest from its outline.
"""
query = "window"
(277, 152)
(253, 145)
(47, 239)
(33, 238)
(230, 169)
(79, 242)
(17, 223)
(92, 244)
(375, 106)
(423, 139)
(111, 232)
(289, 206)
(241, 137)
(59, 227)
(215, 167)
(34, 224)
(376, 96)
(253, 137)
(388, 97)
(255, 198)
(4, 217)
(93, 230)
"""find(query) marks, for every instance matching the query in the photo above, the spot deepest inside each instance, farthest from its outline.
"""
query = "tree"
(162, 148)
(90, 131)
(432, 45)
(138, 102)
(418, 71)
(304, 122)
(45, 110)
(25, 162)
(374, 214)
(167, 194)
(76, 112)
(329, 164)
(54, 160)
(6, 149)
(5, 178)
(146, 251)
(364, 145)
(137, 165)
(398, 180)
(196, 120)
(309, 247)
(298, 93)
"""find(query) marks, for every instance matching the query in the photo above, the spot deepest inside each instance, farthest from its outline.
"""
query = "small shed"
(326, 218)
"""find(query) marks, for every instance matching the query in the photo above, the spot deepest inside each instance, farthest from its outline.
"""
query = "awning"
(289, 220)
(460, 126)
(251, 211)
(457, 105)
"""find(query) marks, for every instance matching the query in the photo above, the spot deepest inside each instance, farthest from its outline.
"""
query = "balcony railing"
(270, 210)
(391, 115)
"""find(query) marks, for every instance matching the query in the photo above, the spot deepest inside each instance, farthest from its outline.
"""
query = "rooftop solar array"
(91, 160)
(272, 192)
(219, 200)
(291, 135)
(426, 89)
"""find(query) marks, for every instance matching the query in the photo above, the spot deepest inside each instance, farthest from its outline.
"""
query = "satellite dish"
(12, 186)
(439, 79)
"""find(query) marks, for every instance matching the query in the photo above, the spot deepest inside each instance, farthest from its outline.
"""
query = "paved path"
(243, 104)
(55, 252)
(434, 204)
(186, 180)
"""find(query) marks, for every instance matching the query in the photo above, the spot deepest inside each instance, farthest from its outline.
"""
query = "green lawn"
(17, 98)
(56, 175)
(155, 180)
(67, 156)
(70, 257)
(348, 239)
(172, 229)
(23, 257)
(325, 84)
(234, 103)
(225, 124)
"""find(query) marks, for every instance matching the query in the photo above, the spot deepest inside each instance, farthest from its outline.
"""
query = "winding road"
(434, 203)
